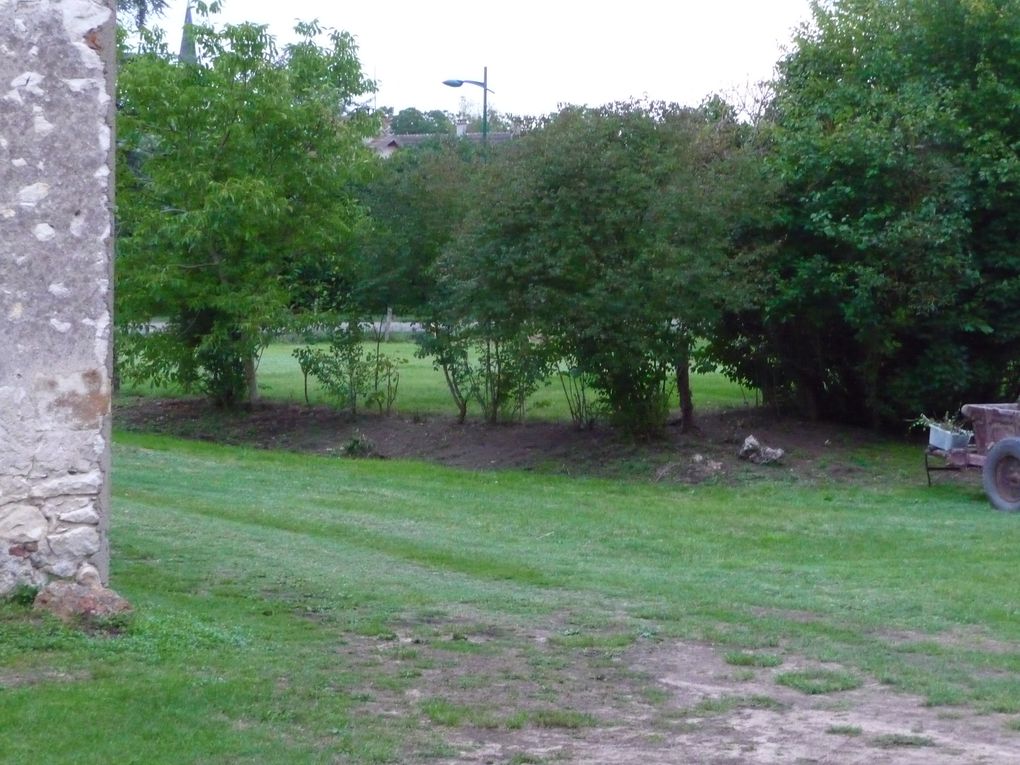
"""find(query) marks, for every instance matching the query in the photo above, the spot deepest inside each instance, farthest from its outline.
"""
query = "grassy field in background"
(422, 389)
(287, 604)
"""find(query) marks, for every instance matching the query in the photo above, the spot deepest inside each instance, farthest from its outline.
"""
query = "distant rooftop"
(385, 145)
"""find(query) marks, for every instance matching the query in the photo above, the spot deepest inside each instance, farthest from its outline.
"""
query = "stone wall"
(56, 199)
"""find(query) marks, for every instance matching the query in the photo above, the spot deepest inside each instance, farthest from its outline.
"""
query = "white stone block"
(22, 523)
(75, 545)
(87, 515)
(78, 483)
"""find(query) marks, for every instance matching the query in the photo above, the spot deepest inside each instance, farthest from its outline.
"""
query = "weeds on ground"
(894, 740)
(818, 681)
(844, 730)
(745, 659)
(726, 704)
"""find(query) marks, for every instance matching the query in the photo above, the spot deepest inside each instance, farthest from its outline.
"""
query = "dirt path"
(683, 703)
(513, 695)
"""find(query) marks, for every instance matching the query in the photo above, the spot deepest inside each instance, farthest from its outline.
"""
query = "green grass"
(422, 389)
(444, 712)
(816, 681)
(745, 659)
(895, 740)
(290, 606)
(844, 730)
(568, 719)
(725, 704)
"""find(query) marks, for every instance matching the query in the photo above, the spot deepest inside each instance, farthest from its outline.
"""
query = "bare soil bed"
(707, 453)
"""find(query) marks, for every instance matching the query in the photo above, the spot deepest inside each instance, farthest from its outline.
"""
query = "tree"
(495, 121)
(235, 174)
(412, 121)
(600, 233)
(417, 199)
(891, 286)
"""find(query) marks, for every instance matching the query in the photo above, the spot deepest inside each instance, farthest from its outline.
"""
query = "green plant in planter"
(946, 422)
(946, 433)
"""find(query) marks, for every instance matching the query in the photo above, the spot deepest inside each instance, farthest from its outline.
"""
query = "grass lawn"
(293, 608)
(423, 390)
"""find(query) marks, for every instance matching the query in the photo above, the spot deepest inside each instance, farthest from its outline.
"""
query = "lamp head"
(453, 83)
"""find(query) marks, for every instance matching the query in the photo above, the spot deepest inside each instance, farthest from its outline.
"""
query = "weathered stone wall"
(56, 198)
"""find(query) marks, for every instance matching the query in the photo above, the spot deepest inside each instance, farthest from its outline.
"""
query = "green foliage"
(193, 351)
(386, 381)
(23, 595)
(745, 659)
(342, 368)
(417, 198)
(891, 286)
(495, 120)
(613, 263)
(423, 390)
(603, 259)
(817, 681)
(479, 362)
(508, 370)
(584, 407)
(234, 176)
(449, 353)
(412, 121)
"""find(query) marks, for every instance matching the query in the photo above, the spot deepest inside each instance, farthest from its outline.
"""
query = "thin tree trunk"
(251, 380)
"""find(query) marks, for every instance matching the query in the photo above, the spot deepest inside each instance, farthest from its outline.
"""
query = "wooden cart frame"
(995, 450)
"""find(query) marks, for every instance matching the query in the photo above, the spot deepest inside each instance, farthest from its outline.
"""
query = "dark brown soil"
(708, 453)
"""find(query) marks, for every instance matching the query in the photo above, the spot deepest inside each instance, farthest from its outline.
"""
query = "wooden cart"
(995, 450)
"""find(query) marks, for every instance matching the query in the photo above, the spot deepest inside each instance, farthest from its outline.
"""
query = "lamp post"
(484, 85)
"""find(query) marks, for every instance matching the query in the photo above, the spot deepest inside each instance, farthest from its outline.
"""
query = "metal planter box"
(940, 438)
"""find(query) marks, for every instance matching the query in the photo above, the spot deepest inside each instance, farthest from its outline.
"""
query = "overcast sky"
(541, 53)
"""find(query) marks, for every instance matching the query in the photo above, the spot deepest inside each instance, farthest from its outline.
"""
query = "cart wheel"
(1000, 475)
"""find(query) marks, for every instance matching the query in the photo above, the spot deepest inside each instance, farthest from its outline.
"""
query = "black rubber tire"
(1000, 475)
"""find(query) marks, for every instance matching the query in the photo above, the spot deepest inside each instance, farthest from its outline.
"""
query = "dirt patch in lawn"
(519, 695)
(708, 453)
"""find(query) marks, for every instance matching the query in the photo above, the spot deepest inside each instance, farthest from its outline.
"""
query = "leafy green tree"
(496, 121)
(417, 199)
(601, 233)
(892, 285)
(235, 176)
(412, 121)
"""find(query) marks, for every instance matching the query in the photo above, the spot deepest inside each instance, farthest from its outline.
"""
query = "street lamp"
(484, 85)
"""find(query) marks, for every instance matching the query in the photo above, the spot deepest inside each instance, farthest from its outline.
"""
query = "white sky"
(541, 53)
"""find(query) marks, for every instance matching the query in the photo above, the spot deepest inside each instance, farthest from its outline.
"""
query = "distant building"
(188, 54)
(386, 145)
